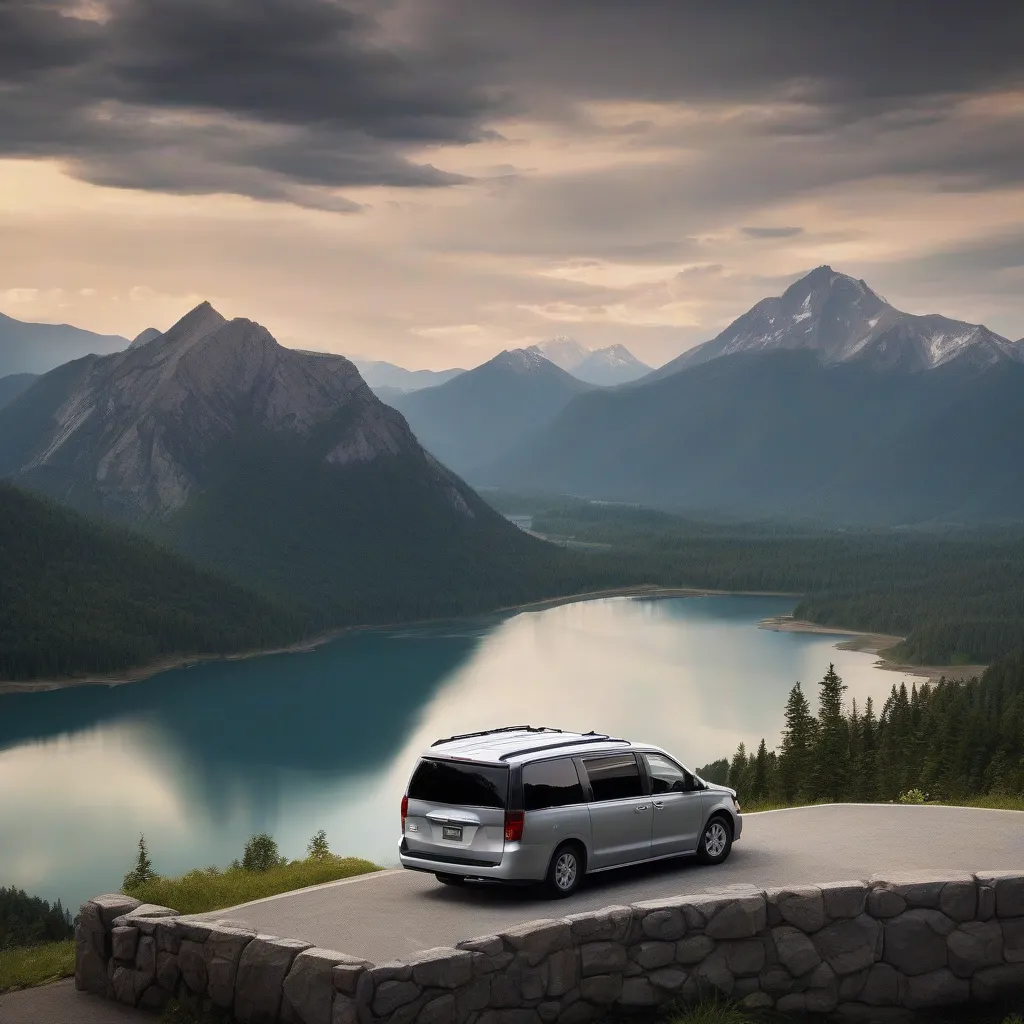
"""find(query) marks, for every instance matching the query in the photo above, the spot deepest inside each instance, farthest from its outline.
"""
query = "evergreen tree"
(865, 785)
(738, 770)
(832, 749)
(759, 783)
(796, 757)
(143, 870)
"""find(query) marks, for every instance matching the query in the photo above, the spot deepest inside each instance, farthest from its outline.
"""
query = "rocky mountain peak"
(841, 320)
(521, 360)
(145, 337)
(565, 352)
(140, 421)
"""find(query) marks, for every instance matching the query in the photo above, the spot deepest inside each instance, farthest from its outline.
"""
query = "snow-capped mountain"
(563, 351)
(604, 366)
(612, 365)
(843, 321)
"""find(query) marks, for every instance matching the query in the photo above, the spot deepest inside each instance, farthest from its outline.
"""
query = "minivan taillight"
(405, 811)
(513, 826)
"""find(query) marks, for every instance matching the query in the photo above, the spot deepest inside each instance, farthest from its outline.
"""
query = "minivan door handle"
(658, 804)
(641, 807)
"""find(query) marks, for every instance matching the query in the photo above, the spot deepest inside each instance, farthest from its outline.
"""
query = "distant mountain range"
(277, 468)
(392, 379)
(824, 403)
(483, 413)
(36, 348)
(604, 366)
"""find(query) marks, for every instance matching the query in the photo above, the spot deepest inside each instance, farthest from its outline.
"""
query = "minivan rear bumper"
(518, 864)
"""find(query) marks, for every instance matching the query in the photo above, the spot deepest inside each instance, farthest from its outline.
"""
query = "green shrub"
(913, 796)
(261, 853)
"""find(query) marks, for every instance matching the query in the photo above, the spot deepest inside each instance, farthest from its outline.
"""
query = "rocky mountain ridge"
(133, 427)
(27, 347)
(603, 366)
(842, 320)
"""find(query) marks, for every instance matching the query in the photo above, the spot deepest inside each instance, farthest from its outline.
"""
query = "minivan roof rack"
(590, 737)
(488, 732)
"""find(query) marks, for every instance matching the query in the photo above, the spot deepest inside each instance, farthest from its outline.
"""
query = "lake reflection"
(201, 758)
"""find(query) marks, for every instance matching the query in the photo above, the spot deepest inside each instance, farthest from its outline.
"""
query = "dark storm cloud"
(267, 98)
(841, 52)
(295, 99)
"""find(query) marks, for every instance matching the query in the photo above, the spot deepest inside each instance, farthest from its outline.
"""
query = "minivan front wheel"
(715, 842)
(565, 871)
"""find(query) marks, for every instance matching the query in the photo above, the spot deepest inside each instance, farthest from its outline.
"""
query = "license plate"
(452, 832)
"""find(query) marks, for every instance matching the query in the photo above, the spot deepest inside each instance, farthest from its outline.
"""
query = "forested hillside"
(80, 598)
(957, 595)
(953, 741)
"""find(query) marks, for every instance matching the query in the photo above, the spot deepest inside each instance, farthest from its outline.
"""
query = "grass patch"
(212, 889)
(26, 966)
(713, 1011)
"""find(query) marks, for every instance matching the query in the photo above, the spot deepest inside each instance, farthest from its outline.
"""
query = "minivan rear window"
(459, 782)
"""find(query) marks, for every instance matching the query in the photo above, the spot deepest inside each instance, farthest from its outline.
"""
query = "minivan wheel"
(715, 842)
(565, 871)
(450, 879)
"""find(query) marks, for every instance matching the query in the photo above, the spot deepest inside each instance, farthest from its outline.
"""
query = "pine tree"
(143, 870)
(796, 756)
(738, 770)
(759, 784)
(832, 749)
(866, 771)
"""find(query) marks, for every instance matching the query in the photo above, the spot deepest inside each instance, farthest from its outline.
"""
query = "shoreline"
(870, 643)
(143, 672)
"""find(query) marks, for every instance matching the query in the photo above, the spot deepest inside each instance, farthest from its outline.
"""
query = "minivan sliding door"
(620, 813)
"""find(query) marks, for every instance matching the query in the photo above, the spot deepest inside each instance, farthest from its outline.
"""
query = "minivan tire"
(450, 879)
(565, 871)
(715, 841)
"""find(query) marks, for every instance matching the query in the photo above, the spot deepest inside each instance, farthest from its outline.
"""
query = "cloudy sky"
(430, 181)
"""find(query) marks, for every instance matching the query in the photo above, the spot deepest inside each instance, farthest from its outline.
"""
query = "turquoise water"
(200, 758)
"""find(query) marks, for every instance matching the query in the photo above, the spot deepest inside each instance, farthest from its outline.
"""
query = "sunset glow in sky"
(430, 181)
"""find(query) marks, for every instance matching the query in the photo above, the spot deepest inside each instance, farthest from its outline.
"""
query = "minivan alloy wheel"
(565, 870)
(715, 839)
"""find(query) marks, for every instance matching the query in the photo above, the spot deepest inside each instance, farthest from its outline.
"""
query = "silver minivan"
(530, 804)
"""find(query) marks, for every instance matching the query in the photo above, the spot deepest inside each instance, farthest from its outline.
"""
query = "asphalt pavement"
(391, 914)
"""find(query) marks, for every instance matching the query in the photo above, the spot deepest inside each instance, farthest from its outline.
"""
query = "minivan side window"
(614, 776)
(460, 783)
(551, 784)
(667, 776)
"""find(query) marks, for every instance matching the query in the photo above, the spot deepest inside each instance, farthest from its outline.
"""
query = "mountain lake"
(201, 758)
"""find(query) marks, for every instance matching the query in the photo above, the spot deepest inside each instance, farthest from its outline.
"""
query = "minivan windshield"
(459, 782)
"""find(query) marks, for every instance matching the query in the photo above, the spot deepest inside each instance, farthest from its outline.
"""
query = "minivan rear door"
(456, 811)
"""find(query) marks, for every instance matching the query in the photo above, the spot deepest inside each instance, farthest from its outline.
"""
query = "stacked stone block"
(863, 950)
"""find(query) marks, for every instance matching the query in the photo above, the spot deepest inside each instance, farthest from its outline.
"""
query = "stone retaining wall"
(861, 949)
